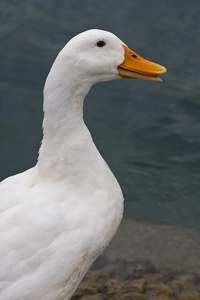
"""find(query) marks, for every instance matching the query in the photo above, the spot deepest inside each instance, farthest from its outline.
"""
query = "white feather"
(57, 217)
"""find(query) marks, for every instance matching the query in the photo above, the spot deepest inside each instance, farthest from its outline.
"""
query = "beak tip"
(163, 70)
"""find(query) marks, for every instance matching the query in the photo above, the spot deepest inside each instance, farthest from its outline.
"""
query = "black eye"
(101, 44)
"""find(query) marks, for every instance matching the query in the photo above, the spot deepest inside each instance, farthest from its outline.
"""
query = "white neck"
(65, 135)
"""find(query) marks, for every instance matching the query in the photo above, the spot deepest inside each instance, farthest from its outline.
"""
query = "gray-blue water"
(148, 132)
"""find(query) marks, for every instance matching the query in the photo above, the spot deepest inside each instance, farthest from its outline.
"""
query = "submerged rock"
(121, 280)
(146, 262)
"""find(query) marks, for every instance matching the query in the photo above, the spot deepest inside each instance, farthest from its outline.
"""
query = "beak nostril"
(134, 56)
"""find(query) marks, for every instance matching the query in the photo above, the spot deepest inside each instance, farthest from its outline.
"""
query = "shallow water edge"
(144, 262)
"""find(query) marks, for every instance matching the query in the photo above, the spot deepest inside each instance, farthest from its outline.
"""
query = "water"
(148, 132)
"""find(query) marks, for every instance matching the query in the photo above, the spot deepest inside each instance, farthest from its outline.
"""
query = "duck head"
(100, 56)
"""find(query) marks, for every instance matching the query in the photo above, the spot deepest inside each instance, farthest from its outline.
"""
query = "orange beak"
(134, 66)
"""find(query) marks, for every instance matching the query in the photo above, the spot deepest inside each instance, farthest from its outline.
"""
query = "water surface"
(147, 132)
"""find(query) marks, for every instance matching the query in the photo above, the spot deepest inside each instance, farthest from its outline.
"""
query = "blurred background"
(148, 132)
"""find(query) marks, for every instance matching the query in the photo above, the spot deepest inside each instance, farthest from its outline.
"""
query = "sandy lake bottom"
(146, 262)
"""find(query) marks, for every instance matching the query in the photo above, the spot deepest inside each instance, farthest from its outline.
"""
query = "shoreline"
(144, 262)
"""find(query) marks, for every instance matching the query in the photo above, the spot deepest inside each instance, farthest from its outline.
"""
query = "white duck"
(57, 217)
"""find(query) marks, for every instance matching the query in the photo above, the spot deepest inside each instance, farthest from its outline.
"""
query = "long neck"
(63, 106)
(63, 126)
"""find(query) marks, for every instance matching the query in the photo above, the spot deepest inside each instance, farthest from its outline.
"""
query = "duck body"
(57, 217)
(50, 242)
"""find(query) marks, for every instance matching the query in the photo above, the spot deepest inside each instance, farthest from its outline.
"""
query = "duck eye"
(101, 44)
